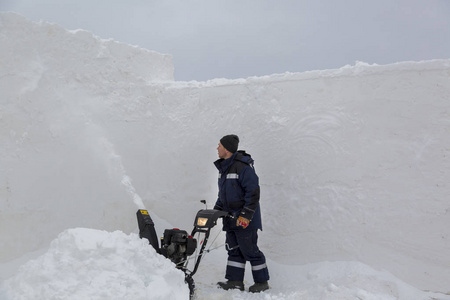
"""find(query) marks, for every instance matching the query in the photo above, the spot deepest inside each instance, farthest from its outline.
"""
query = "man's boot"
(231, 284)
(259, 287)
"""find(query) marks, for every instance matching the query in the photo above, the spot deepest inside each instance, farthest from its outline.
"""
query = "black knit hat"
(230, 142)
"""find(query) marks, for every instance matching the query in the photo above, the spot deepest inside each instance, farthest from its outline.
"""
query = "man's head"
(228, 145)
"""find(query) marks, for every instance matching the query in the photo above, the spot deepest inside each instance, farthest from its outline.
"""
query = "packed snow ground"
(92, 264)
(353, 165)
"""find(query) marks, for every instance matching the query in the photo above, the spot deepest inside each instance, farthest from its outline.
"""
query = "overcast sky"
(242, 38)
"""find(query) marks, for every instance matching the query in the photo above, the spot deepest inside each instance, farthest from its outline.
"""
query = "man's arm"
(250, 184)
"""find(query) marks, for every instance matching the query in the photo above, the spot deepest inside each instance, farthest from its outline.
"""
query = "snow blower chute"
(177, 245)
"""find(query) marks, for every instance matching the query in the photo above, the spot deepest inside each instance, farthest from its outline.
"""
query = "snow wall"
(353, 163)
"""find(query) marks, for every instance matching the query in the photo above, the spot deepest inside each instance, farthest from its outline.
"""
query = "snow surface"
(92, 264)
(354, 168)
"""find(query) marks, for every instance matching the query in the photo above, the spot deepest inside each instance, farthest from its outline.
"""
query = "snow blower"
(177, 245)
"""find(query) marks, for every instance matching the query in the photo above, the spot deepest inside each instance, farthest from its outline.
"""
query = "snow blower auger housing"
(176, 244)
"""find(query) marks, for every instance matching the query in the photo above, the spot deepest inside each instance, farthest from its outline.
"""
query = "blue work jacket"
(239, 190)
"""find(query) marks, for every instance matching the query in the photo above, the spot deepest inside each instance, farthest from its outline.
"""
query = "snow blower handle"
(204, 202)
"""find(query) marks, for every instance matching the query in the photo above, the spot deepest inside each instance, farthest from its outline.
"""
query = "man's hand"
(241, 221)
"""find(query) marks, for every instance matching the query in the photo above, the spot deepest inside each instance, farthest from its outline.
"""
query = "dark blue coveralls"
(239, 194)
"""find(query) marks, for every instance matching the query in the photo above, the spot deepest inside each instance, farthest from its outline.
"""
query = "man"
(239, 195)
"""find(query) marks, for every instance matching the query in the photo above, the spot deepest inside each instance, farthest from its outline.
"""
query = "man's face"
(222, 152)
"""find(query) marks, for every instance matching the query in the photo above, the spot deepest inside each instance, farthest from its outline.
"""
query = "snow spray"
(114, 163)
(126, 181)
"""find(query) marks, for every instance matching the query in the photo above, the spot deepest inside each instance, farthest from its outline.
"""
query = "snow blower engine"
(177, 245)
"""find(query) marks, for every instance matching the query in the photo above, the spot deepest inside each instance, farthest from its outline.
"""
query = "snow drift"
(353, 163)
(92, 264)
